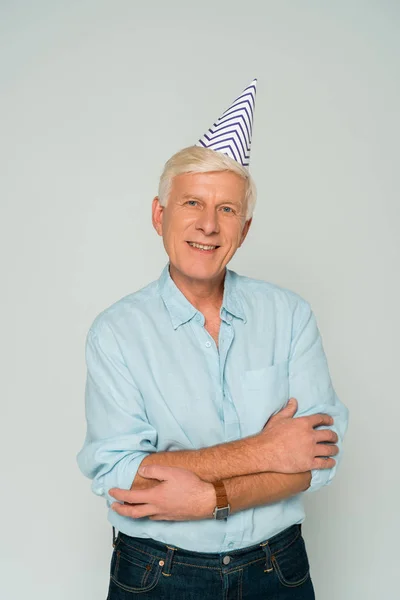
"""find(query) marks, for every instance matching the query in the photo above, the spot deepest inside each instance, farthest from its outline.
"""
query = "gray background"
(95, 96)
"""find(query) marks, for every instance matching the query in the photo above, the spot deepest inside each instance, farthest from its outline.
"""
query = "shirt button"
(198, 318)
(208, 344)
(226, 560)
(230, 545)
(229, 317)
(99, 491)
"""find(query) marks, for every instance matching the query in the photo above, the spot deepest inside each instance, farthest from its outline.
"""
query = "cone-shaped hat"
(231, 134)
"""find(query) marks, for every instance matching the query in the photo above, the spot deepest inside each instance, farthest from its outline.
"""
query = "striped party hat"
(231, 134)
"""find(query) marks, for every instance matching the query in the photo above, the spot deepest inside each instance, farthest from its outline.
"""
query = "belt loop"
(114, 537)
(268, 563)
(168, 561)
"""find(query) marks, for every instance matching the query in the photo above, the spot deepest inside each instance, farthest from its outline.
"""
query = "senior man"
(209, 405)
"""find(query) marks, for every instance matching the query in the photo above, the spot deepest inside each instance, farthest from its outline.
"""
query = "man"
(209, 404)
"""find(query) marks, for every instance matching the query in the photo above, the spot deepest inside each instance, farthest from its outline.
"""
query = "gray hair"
(196, 159)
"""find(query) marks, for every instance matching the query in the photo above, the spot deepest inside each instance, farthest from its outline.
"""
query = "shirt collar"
(181, 310)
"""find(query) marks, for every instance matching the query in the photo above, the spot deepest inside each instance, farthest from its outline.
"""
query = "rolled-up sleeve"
(310, 383)
(118, 435)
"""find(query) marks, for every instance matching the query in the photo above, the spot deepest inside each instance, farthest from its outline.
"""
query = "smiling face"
(207, 209)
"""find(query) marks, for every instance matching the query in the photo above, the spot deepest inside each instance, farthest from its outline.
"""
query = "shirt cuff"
(121, 476)
(320, 478)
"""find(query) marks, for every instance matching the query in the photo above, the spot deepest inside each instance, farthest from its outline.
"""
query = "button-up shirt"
(156, 381)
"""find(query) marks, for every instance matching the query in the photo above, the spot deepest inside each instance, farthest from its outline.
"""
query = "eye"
(227, 209)
(191, 202)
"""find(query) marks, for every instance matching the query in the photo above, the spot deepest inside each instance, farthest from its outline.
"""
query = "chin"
(197, 271)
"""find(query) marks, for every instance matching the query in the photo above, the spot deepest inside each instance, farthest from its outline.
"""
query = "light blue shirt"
(156, 381)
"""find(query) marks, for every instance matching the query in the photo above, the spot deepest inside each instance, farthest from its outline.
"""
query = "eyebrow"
(191, 197)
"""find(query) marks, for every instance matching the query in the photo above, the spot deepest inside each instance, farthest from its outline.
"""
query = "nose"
(207, 221)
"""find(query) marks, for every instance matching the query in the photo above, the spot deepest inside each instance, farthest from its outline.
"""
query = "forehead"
(224, 185)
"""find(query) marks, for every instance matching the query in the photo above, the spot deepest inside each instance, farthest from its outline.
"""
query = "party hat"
(231, 134)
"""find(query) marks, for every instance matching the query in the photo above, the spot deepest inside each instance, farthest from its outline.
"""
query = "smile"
(202, 246)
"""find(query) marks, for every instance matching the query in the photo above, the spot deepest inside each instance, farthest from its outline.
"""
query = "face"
(206, 209)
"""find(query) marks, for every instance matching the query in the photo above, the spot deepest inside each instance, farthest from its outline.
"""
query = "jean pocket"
(134, 570)
(291, 563)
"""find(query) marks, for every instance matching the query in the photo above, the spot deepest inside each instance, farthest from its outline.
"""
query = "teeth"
(201, 246)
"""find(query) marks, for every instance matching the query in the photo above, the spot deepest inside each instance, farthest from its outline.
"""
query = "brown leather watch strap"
(220, 491)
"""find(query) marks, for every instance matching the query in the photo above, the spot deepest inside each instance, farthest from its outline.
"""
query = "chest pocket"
(264, 391)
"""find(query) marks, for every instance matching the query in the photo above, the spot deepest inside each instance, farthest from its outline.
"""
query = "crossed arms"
(248, 468)
(278, 462)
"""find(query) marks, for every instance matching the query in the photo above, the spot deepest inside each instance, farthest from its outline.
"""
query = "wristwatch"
(222, 510)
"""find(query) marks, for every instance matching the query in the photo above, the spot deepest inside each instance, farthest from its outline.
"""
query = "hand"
(181, 496)
(294, 445)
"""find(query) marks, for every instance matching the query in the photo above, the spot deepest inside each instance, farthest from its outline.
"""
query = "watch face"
(222, 513)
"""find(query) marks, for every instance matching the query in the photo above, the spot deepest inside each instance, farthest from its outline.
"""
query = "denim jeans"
(276, 569)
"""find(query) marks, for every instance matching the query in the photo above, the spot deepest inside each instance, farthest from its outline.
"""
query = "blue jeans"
(276, 569)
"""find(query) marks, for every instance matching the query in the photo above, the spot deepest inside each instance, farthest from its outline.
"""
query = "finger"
(286, 412)
(326, 450)
(138, 511)
(165, 517)
(319, 419)
(289, 410)
(323, 463)
(159, 472)
(132, 496)
(326, 435)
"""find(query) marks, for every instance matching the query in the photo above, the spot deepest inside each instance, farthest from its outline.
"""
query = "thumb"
(162, 473)
(289, 410)
(291, 407)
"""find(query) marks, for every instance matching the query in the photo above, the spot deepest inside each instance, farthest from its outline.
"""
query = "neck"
(205, 295)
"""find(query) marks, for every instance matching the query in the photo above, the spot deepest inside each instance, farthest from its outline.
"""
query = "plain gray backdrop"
(95, 97)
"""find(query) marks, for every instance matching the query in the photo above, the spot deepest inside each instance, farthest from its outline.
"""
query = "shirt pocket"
(265, 391)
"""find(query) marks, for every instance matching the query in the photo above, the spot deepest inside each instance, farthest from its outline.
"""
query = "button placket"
(235, 532)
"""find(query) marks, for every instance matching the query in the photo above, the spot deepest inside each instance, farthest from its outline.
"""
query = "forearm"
(259, 489)
(243, 491)
(223, 461)
(246, 491)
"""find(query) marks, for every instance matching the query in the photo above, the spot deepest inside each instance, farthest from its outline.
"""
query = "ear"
(157, 215)
(245, 231)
